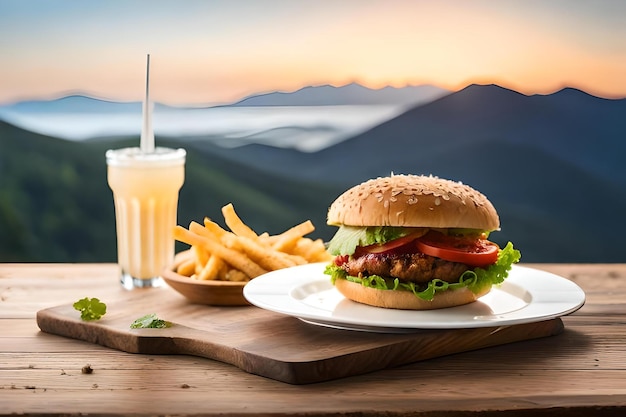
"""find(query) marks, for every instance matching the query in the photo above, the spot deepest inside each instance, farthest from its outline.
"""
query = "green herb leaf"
(150, 321)
(90, 308)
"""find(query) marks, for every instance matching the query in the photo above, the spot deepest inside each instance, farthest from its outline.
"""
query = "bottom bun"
(406, 300)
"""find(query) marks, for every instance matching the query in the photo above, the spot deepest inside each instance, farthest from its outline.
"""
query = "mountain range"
(551, 164)
(350, 94)
(325, 95)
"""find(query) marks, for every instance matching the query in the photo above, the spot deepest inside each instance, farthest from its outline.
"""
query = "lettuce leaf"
(475, 279)
(348, 238)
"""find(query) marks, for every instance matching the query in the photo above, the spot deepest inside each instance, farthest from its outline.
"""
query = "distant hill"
(354, 94)
(75, 104)
(551, 164)
(52, 199)
(351, 94)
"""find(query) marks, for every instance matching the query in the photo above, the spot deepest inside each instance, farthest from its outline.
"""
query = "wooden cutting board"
(270, 344)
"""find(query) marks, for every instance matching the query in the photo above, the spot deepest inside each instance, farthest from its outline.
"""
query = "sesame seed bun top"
(413, 201)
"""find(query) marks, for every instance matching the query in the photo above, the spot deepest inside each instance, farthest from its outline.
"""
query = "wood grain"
(269, 344)
(580, 372)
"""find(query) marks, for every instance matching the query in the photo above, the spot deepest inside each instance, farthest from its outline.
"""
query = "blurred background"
(282, 105)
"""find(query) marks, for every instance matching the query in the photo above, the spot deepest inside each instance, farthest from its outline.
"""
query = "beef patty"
(413, 267)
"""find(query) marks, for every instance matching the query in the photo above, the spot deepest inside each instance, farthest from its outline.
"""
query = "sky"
(220, 51)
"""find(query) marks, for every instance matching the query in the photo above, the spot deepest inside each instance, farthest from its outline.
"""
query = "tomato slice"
(472, 252)
(392, 244)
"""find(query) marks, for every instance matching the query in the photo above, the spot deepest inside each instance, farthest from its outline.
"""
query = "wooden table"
(581, 372)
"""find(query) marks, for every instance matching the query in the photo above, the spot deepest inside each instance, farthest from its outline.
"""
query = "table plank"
(189, 390)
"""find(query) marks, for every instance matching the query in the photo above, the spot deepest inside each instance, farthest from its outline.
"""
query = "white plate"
(527, 295)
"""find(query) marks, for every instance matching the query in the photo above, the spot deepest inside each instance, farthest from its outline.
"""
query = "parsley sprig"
(90, 308)
(150, 321)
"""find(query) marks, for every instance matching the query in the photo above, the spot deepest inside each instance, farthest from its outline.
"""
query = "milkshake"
(145, 189)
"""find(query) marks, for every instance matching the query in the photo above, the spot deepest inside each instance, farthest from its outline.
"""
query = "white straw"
(147, 135)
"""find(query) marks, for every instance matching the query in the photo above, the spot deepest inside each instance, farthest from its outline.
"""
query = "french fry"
(202, 257)
(266, 257)
(236, 275)
(321, 254)
(235, 223)
(201, 230)
(312, 250)
(232, 257)
(222, 274)
(288, 238)
(211, 268)
(215, 228)
(187, 267)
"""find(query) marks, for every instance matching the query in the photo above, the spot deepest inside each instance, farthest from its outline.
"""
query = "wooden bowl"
(209, 292)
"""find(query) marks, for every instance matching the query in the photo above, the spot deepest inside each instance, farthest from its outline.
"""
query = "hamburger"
(415, 242)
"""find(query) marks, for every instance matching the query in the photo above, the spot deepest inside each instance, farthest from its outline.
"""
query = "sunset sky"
(205, 51)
